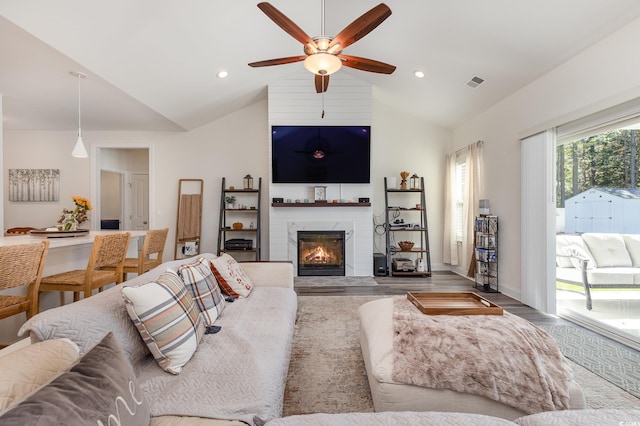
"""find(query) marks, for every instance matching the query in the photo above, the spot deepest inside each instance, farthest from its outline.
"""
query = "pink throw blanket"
(501, 357)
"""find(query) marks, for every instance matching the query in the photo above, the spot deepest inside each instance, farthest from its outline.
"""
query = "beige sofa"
(598, 260)
(236, 376)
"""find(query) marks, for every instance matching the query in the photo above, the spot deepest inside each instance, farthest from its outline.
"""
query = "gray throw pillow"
(100, 389)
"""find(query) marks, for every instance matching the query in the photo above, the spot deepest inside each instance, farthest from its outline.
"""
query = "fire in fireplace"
(320, 253)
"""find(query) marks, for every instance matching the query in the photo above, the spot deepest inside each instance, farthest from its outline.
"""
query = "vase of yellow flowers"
(71, 219)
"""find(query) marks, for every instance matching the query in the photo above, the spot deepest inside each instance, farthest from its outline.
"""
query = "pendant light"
(79, 150)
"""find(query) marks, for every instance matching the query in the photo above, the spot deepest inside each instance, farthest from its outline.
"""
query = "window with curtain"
(461, 169)
(463, 176)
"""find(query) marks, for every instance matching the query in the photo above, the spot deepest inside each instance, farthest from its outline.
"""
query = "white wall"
(603, 75)
(404, 142)
(110, 195)
(230, 147)
(4, 170)
(43, 150)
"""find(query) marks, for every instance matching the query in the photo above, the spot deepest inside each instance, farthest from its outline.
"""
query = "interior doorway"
(122, 186)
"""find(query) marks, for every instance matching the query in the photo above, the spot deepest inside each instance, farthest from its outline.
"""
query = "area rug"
(325, 281)
(613, 362)
(327, 373)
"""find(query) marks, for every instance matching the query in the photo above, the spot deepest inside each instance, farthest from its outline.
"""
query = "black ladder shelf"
(394, 231)
(248, 215)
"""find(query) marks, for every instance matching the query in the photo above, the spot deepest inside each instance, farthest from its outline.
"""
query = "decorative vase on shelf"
(403, 182)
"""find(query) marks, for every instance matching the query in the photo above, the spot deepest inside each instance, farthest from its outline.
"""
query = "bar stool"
(154, 242)
(106, 250)
(21, 265)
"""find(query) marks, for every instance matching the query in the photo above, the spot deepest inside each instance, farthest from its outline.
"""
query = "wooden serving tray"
(60, 234)
(460, 303)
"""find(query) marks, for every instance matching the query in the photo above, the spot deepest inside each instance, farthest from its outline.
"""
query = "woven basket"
(406, 245)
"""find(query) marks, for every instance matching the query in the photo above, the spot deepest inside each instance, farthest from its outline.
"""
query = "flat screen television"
(321, 154)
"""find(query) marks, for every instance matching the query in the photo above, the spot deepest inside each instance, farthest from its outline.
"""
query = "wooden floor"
(439, 281)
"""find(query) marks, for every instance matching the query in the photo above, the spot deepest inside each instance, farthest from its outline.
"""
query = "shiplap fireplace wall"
(348, 101)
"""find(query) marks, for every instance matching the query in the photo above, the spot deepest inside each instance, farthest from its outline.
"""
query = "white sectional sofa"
(236, 376)
(87, 357)
(435, 418)
(598, 260)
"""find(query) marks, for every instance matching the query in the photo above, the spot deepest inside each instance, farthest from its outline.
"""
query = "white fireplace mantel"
(355, 221)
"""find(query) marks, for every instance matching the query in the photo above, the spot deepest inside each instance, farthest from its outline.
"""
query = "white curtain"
(450, 243)
(472, 187)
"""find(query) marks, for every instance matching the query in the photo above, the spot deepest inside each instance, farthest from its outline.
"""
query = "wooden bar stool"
(154, 243)
(106, 250)
(21, 265)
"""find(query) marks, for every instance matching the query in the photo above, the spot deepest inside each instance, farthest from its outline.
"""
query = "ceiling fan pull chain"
(322, 116)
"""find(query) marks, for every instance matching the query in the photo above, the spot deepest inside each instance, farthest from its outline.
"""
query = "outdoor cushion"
(632, 242)
(564, 244)
(608, 250)
(611, 276)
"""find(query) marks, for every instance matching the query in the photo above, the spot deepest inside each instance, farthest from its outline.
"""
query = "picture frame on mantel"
(320, 194)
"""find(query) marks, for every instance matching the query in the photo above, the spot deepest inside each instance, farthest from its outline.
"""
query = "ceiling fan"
(323, 54)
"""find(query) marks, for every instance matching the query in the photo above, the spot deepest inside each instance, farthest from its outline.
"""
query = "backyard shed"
(604, 210)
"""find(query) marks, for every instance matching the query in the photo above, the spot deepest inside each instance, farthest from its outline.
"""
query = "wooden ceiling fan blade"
(361, 26)
(322, 83)
(278, 61)
(365, 64)
(285, 23)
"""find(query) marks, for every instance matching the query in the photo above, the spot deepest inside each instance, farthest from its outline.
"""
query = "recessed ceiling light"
(222, 74)
(419, 74)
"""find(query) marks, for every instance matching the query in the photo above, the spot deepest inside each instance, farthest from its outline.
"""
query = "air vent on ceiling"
(475, 82)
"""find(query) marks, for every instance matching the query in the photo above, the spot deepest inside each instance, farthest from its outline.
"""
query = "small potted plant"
(229, 200)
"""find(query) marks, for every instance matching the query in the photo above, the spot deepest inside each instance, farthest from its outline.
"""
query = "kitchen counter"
(66, 241)
(65, 254)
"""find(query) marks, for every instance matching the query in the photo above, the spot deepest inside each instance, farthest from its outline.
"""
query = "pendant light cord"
(79, 108)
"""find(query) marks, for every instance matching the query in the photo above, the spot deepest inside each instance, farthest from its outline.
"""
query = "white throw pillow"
(608, 250)
(28, 368)
(231, 278)
(167, 318)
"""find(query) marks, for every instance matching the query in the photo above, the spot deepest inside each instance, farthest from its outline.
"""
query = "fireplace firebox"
(321, 253)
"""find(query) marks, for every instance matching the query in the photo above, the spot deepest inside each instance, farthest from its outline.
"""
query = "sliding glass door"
(598, 218)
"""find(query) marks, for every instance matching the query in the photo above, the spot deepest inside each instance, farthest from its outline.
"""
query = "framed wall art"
(34, 185)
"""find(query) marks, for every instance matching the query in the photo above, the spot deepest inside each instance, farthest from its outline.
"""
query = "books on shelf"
(488, 224)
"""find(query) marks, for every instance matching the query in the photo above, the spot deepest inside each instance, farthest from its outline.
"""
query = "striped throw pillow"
(202, 286)
(167, 318)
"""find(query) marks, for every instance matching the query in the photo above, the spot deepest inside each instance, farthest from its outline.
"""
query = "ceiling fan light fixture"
(322, 63)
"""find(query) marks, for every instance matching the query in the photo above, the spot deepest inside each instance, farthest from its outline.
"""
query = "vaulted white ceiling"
(152, 65)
